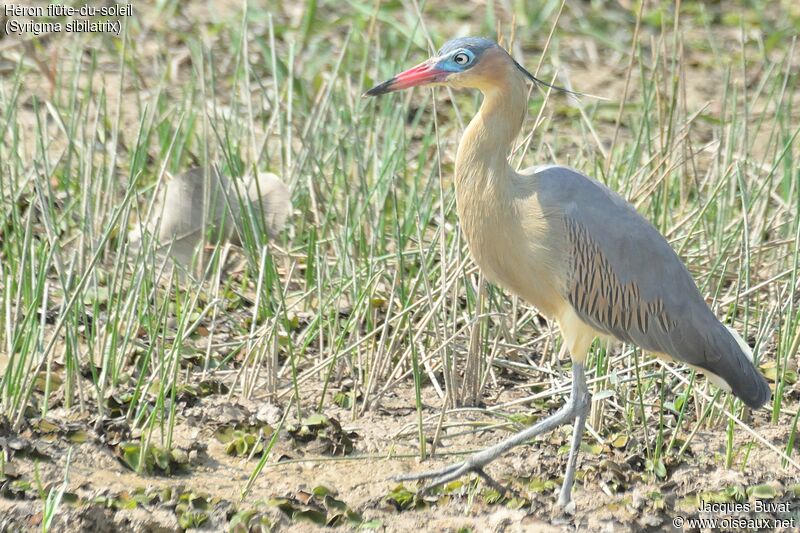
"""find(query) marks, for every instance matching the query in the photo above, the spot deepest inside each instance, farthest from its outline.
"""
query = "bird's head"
(467, 62)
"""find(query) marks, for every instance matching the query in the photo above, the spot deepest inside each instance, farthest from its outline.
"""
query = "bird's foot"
(575, 410)
(440, 476)
(565, 504)
(477, 461)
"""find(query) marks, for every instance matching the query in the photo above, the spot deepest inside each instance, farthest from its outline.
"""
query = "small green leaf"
(45, 426)
(78, 436)
(658, 468)
(453, 486)
(310, 515)
(594, 449)
(316, 419)
(131, 455)
(320, 491)
(192, 519)
(540, 485)
(240, 522)
(160, 458)
(401, 497)
(179, 456)
(620, 441)
(516, 503)
(737, 493)
(491, 495)
(332, 504)
(762, 492)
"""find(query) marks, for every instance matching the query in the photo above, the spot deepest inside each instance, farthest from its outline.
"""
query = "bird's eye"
(461, 58)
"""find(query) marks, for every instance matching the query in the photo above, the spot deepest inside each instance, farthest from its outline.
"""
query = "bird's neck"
(482, 158)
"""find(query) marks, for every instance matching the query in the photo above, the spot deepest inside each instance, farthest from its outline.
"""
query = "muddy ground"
(353, 463)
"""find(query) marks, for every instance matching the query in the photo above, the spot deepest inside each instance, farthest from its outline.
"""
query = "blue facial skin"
(449, 63)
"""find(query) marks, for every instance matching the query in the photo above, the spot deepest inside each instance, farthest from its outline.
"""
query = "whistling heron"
(571, 247)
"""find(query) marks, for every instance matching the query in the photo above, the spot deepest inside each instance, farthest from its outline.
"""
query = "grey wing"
(625, 280)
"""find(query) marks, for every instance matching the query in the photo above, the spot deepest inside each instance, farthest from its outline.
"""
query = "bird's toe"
(436, 475)
(565, 506)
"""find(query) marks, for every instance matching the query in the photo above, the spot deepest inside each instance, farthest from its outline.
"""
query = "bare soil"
(614, 491)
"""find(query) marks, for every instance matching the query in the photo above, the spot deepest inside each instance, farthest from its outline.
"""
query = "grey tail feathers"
(736, 368)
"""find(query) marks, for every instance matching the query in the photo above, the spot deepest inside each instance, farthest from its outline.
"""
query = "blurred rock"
(269, 413)
(232, 209)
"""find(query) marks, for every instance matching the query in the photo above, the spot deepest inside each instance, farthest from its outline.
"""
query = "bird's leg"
(575, 409)
(581, 398)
